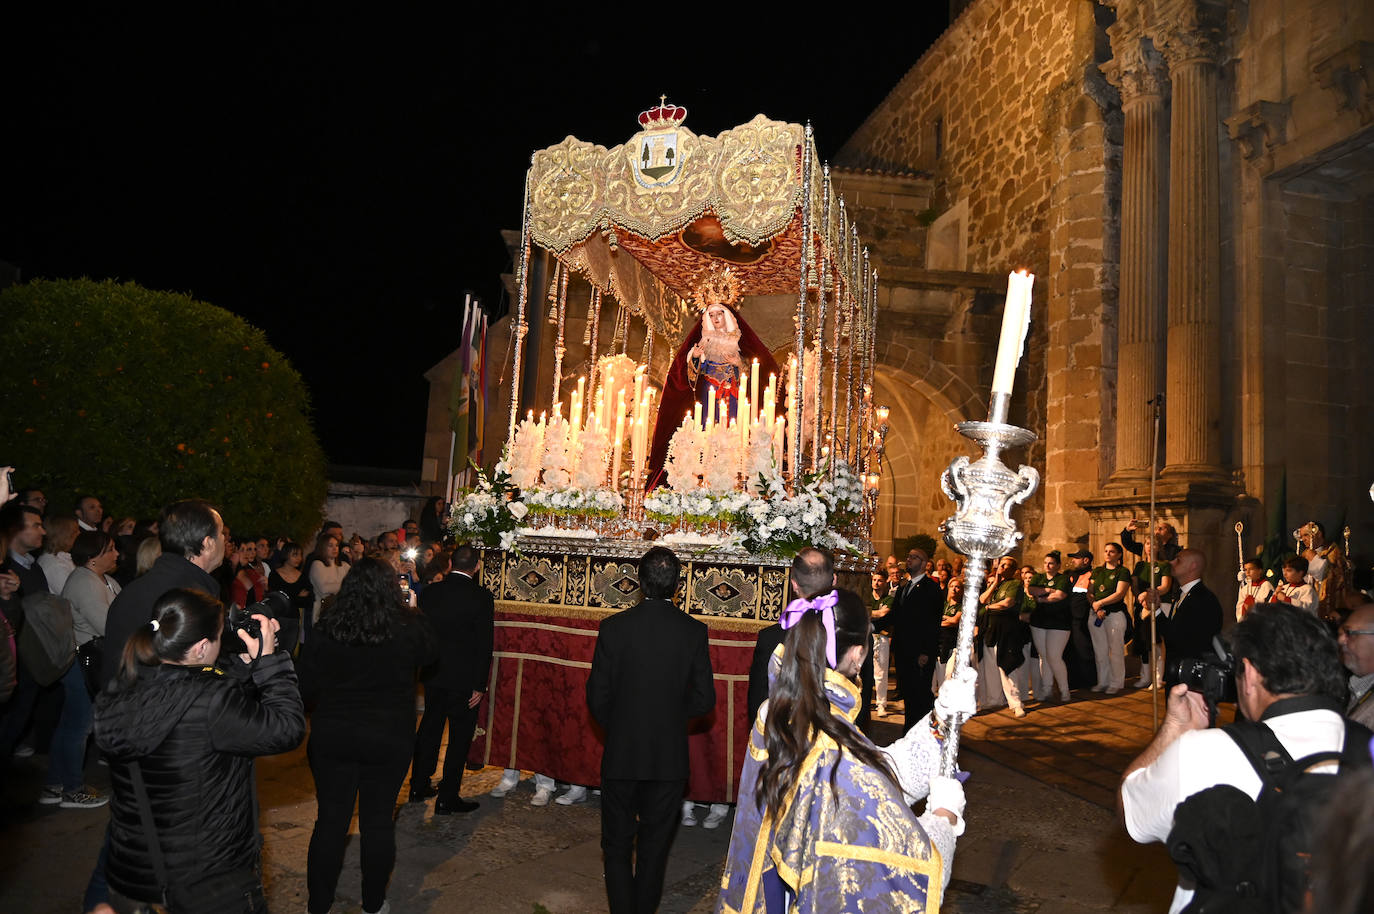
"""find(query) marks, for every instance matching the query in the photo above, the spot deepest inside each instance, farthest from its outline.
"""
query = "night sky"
(339, 175)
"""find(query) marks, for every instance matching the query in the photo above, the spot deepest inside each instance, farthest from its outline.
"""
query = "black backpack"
(1253, 855)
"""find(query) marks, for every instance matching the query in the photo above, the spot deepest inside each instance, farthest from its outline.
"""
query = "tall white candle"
(619, 440)
(1015, 323)
(711, 408)
(754, 382)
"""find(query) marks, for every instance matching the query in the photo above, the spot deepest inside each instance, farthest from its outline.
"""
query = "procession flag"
(459, 399)
(477, 386)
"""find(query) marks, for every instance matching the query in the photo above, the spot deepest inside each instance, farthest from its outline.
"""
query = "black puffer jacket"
(194, 732)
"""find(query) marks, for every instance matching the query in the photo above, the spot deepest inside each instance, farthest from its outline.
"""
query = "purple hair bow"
(823, 604)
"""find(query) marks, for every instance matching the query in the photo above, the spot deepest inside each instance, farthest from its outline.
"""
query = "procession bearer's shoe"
(542, 796)
(689, 813)
(575, 794)
(507, 784)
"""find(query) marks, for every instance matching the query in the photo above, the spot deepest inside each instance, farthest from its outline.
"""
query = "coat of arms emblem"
(656, 152)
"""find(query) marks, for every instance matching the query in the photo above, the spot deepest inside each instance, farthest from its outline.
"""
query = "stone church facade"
(1191, 182)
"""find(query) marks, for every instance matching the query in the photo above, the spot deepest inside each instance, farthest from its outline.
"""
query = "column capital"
(1258, 129)
(1136, 68)
(1190, 30)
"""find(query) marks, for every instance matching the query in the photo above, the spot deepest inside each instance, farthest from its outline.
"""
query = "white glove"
(947, 794)
(957, 696)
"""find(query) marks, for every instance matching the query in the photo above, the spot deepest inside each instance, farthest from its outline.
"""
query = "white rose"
(777, 523)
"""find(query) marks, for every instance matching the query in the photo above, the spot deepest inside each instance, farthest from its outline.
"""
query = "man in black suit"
(651, 673)
(461, 611)
(1195, 618)
(917, 609)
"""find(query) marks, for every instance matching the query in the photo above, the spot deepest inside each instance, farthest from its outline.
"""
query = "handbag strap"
(145, 815)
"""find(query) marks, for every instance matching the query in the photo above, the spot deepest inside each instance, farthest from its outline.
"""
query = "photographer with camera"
(181, 733)
(1290, 689)
(192, 536)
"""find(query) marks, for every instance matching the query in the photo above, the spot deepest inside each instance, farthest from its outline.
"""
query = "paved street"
(1042, 834)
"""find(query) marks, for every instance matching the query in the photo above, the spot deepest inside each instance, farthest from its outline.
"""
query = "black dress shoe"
(460, 805)
(421, 792)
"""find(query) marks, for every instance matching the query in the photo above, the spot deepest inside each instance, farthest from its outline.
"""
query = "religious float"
(691, 367)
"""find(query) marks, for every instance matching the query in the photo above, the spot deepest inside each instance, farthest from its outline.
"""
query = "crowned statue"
(715, 357)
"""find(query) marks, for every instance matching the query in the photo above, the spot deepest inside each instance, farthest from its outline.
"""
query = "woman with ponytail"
(824, 821)
(180, 734)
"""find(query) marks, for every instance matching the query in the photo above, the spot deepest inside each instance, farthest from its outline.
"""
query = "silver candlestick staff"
(983, 492)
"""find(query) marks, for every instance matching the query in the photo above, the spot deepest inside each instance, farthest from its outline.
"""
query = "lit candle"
(1015, 323)
(754, 381)
(743, 414)
(577, 402)
(711, 408)
(619, 440)
(770, 400)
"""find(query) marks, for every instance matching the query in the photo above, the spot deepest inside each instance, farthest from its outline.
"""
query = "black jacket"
(768, 641)
(194, 732)
(651, 674)
(1189, 629)
(462, 613)
(134, 605)
(916, 613)
(362, 690)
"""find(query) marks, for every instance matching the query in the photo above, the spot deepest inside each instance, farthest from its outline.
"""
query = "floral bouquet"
(489, 512)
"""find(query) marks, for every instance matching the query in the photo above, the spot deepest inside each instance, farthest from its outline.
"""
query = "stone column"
(1193, 392)
(1137, 72)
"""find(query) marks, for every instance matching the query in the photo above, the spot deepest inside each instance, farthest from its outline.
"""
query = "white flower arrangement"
(575, 501)
(556, 459)
(524, 454)
(685, 453)
(489, 512)
(589, 467)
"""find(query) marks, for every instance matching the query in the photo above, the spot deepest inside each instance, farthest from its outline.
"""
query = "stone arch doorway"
(921, 442)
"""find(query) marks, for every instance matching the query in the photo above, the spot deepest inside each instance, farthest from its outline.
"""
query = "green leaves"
(144, 397)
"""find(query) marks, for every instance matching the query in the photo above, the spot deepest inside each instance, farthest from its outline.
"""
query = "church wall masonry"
(1015, 161)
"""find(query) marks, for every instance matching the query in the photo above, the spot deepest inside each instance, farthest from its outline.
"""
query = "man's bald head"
(1189, 565)
(813, 572)
(1357, 640)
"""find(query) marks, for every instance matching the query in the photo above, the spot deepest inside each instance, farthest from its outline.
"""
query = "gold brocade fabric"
(750, 177)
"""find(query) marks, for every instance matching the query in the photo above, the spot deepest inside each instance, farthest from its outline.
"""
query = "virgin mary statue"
(715, 355)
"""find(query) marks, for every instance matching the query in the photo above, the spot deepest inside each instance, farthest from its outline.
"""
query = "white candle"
(711, 408)
(619, 440)
(742, 420)
(696, 413)
(576, 415)
(754, 381)
(1015, 323)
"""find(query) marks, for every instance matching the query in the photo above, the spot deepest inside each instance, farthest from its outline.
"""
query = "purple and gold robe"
(855, 848)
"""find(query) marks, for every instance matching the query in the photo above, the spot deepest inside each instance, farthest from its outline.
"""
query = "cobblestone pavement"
(1042, 834)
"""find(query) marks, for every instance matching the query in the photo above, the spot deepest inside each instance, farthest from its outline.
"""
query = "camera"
(274, 605)
(1212, 675)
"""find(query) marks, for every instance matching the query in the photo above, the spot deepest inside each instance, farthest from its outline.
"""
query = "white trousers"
(989, 690)
(882, 655)
(1016, 684)
(1109, 649)
(1050, 644)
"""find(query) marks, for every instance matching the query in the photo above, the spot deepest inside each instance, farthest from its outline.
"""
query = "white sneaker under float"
(718, 814)
(542, 796)
(507, 784)
(574, 794)
(689, 813)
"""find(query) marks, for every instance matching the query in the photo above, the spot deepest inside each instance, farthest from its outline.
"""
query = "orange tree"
(144, 397)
